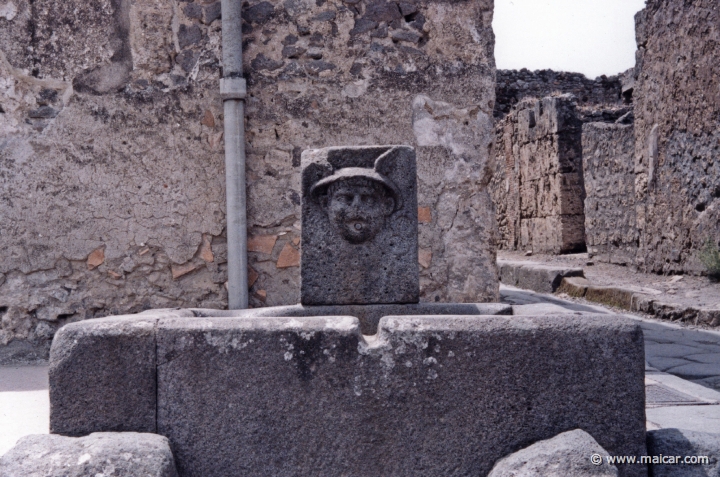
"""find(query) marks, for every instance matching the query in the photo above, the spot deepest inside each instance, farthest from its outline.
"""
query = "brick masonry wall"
(112, 175)
(609, 178)
(677, 111)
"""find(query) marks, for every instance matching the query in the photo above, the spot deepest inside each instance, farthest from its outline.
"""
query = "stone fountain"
(360, 379)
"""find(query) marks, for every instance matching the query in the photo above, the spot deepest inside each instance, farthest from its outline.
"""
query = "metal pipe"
(233, 91)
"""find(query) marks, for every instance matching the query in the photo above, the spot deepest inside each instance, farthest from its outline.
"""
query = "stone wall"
(112, 176)
(609, 177)
(514, 85)
(677, 111)
(538, 176)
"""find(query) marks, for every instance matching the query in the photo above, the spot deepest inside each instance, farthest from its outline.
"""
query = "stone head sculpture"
(359, 226)
(357, 202)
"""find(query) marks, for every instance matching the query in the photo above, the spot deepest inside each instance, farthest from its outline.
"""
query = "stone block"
(359, 226)
(535, 276)
(432, 395)
(574, 286)
(680, 442)
(120, 454)
(567, 454)
(613, 296)
(102, 375)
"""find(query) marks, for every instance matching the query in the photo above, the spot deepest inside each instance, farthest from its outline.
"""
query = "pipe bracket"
(233, 88)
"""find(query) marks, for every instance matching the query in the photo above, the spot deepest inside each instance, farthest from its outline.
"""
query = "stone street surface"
(24, 403)
(682, 374)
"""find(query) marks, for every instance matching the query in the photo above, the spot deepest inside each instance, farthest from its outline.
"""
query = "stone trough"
(360, 379)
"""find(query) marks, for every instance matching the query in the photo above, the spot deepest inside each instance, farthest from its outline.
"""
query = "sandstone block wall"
(514, 85)
(609, 177)
(677, 111)
(539, 159)
(112, 184)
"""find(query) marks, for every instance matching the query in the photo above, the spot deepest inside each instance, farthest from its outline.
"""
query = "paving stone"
(313, 397)
(708, 358)
(671, 350)
(541, 309)
(665, 364)
(117, 454)
(681, 442)
(696, 370)
(567, 454)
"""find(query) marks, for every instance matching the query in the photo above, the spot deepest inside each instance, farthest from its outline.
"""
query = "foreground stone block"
(116, 454)
(359, 226)
(102, 375)
(681, 442)
(567, 454)
(427, 396)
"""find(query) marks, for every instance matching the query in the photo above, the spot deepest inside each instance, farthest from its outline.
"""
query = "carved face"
(357, 208)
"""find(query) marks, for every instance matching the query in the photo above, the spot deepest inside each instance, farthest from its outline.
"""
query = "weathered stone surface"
(535, 276)
(573, 286)
(368, 315)
(341, 404)
(681, 442)
(359, 226)
(676, 136)
(102, 375)
(613, 296)
(515, 85)
(567, 454)
(611, 232)
(128, 165)
(121, 454)
(538, 184)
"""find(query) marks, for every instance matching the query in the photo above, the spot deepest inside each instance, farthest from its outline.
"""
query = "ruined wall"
(677, 111)
(609, 177)
(514, 85)
(538, 176)
(111, 172)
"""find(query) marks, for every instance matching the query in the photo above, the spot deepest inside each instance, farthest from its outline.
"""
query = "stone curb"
(535, 276)
(631, 300)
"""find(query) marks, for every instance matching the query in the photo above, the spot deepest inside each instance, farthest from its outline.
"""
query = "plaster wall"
(111, 147)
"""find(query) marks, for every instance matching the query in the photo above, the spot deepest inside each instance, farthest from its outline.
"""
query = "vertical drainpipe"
(232, 91)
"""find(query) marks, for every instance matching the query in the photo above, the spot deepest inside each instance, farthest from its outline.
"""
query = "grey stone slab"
(712, 382)
(708, 358)
(663, 363)
(369, 315)
(426, 396)
(117, 454)
(535, 276)
(696, 370)
(699, 418)
(683, 442)
(102, 375)
(542, 309)
(359, 226)
(671, 350)
(567, 454)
